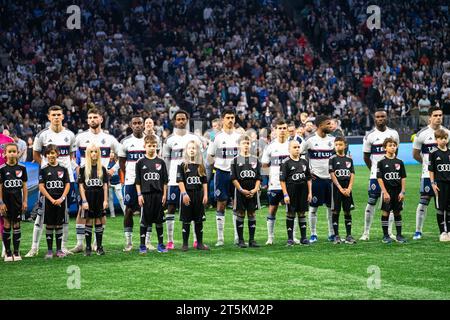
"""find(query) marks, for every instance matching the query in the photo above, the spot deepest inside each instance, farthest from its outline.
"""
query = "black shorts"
(394, 204)
(196, 210)
(95, 201)
(339, 201)
(244, 204)
(13, 202)
(54, 215)
(152, 211)
(442, 200)
(298, 196)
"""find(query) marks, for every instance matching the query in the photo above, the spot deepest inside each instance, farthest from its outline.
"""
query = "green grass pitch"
(416, 270)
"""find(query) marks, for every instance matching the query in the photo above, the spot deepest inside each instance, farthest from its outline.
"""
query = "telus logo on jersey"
(320, 154)
(13, 183)
(193, 180)
(135, 155)
(227, 153)
(342, 173)
(247, 174)
(94, 183)
(54, 185)
(392, 176)
(443, 167)
(277, 160)
(151, 176)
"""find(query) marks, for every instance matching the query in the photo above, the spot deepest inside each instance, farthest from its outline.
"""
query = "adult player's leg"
(172, 205)
(37, 228)
(426, 193)
(374, 193)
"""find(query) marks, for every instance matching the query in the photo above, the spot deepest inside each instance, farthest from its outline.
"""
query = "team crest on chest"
(66, 139)
(18, 173)
(158, 166)
(253, 164)
(397, 166)
(348, 164)
(60, 174)
(304, 167)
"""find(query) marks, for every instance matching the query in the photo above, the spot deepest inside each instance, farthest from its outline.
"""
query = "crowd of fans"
(155, 56)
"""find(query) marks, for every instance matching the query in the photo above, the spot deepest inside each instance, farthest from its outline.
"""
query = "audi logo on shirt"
(151, 176)
(342, 173)
(94, 183)
(247, 174)
(443, 167)
(298, 176)
(54, 185)
(9, 184)
(392, 176)
(193, 180)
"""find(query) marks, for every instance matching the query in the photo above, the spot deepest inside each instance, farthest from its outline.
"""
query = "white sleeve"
(122, 151)
(212, 148)
(367, 146)
(38, 144)
(304, 146)
(166, 151)
(73, 144)
(396, 137)
(417, 144)
(266, 155)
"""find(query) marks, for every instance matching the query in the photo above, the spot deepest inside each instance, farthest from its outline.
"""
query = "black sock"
(159, 232)
(251, 228)
(448, 221)
(49, 238)
(99, 235)
(348, 224)
(385, 225)
(240, 227)
(58, 236)
(290, 227)
(7, 240)
(16, 240)
(440, 221)
(186, 231)
(88, 230)
(398, 224)
(302, 225)
(199, 232)
(142, 234)
(335, 221)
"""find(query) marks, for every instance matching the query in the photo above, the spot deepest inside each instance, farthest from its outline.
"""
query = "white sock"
(65, 235)
(236, 237)
(330, 222)
(391, 222)
(270, 227)
(421, 214)
(128, 238)
(313, 220)
(80, 230)
(170, 222)
(193, 228)
(220, 222)
(148, 237)
(37, 233)
(295, 227)
(368, 218)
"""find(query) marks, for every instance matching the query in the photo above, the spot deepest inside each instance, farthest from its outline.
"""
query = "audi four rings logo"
(392, 176)
(151, 176)
(342, 173)
(54, 185)
(247, 174)
(193, 180)
(298, 176)
(443, 167)
(94, 183)
(13, 183)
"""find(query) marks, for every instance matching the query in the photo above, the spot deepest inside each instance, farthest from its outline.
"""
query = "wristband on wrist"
(403, 192)
(84, 202)
(139, 194)
(286, 195)
(1, 202)
(183, 194)
(241, 190)
(434, 182)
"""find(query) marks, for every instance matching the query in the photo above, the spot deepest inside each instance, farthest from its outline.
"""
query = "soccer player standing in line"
(151, 185)
(13, 200)
(373, 152)
(246, 178)
(424, 144)
(439, 171)
(319, 148)
(4, 140)
(132, 150)
(391, 175)
(193, 184)
(295, 180)
(342, 174)
(221, 153)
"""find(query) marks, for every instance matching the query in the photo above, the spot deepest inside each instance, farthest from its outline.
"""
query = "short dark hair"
(320, 119)
(380, 110)
(50, 148)
(440, 133)
(337, 139)
(11, 144)
(279, 122)
(389, 140)
(94, 111)
(150, 139)
(54, 108)
(244, 137)
(136, 116)
(228, 111)
(181, 112)
(433, 109)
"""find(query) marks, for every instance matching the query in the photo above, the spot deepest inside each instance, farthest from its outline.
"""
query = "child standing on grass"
(93, 185)
(54, 185)
(193, 184)
(13, 200)
(391, 176)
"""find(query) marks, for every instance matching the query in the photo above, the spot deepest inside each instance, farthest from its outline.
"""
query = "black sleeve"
(41, 175)
(234, 175)
(307, 171)
(331, 165)
(258, 170)
(180, 173)
(431, 163)
(283, 171)
(204, 179)
(81, 176)
(66, 176)
(379, 170)
(352, 167)
(137, 180)
(165, 177)
(1, 175)
(24, 175)
(105, 175)
(402, 170)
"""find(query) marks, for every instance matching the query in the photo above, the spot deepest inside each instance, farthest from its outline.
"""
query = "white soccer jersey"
(64, 140)
(373, 144)
(224, 148)
(319, 150)
(133, 149)
(173, 150)
(426, 143)
(105, 141)
(273, 155)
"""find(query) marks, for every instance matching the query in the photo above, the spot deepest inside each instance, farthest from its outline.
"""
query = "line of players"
(323, 188)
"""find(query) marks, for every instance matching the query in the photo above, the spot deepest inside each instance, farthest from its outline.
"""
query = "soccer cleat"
(66, 252)
(350, 240)
(112, 215)
(150, 247)
(269, 242)
(194, 245)
(304, 241)
(8, 258)
(203, 247)
(60, 254)
(253, 244)
(32, 253)
(387, 240)
(290, 243)
(128, 248)
(162, 248)
(49, 255)
(337, 240)
(400, 239)
(100, 251)
(242, 244)
(296, 241)
(77, 249)
(88, 252)
(364, 237)
(184, 247)
(219, 243)
(142, 250)
(444, 237)
(17, 257)
(331, 238)
(236, 241)
(170, 245)
(313, 238)
(417, 235)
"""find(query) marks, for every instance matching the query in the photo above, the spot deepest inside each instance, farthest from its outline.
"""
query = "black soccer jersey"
(54, 178)
(295, 172)
(439, 163)
(247, 170)
(342, 167)
(151, 174)
(12, 178)
(391, 171)
(190, 176)
(93, 183)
